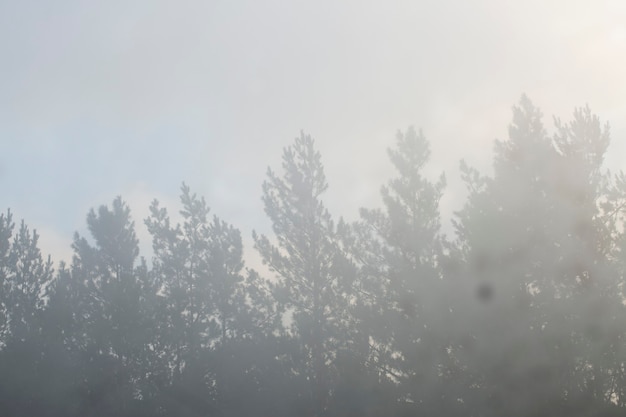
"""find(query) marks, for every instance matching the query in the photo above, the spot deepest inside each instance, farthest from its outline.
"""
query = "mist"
(350, 209)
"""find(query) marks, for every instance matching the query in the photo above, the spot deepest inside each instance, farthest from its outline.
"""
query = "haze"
(133, 98)
(495, 129)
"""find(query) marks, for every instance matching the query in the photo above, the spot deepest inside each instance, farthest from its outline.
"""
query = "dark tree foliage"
(522, 314)
(24, 280)
(187, 324)
(216, 320)
(312, 272)
(111, 310)
(402, 302)
(544, 343)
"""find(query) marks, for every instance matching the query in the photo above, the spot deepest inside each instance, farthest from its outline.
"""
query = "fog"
(329, 209)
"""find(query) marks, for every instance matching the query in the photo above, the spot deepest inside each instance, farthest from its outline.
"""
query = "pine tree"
(402, 304)
(187, 324)
(25, 277)
(213, 315)
(310, 267)
(113, 317)
(532, 240)
(6, 232)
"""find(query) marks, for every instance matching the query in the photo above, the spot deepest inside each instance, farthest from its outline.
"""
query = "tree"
(312, 274)
(24, 281)
(6, 232)
(24, 277)
(112, 309)
(533, 241)
(213, 316)
(403, 305)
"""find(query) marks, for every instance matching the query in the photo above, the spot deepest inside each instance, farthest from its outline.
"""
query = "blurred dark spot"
(484, 292)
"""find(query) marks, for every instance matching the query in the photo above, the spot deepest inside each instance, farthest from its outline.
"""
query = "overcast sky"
(131, 98)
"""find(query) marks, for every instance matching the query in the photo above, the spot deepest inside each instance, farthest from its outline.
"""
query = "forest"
(522, 312)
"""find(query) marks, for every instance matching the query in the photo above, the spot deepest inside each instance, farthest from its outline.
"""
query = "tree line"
(521, 313)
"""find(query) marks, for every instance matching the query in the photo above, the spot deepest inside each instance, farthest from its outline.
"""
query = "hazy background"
(133, 97)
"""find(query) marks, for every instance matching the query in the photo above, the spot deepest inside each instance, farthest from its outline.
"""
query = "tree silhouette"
(113, 320)
(309, 264)
(399, 249)
(533, 235)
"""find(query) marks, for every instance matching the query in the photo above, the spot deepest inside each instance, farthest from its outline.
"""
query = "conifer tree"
(25, 277)
(113, 318)
(533, 240)
(213, 316)
(399, 250)
(311, 270)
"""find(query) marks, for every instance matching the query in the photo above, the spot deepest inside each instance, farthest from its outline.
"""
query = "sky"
(131, 98)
